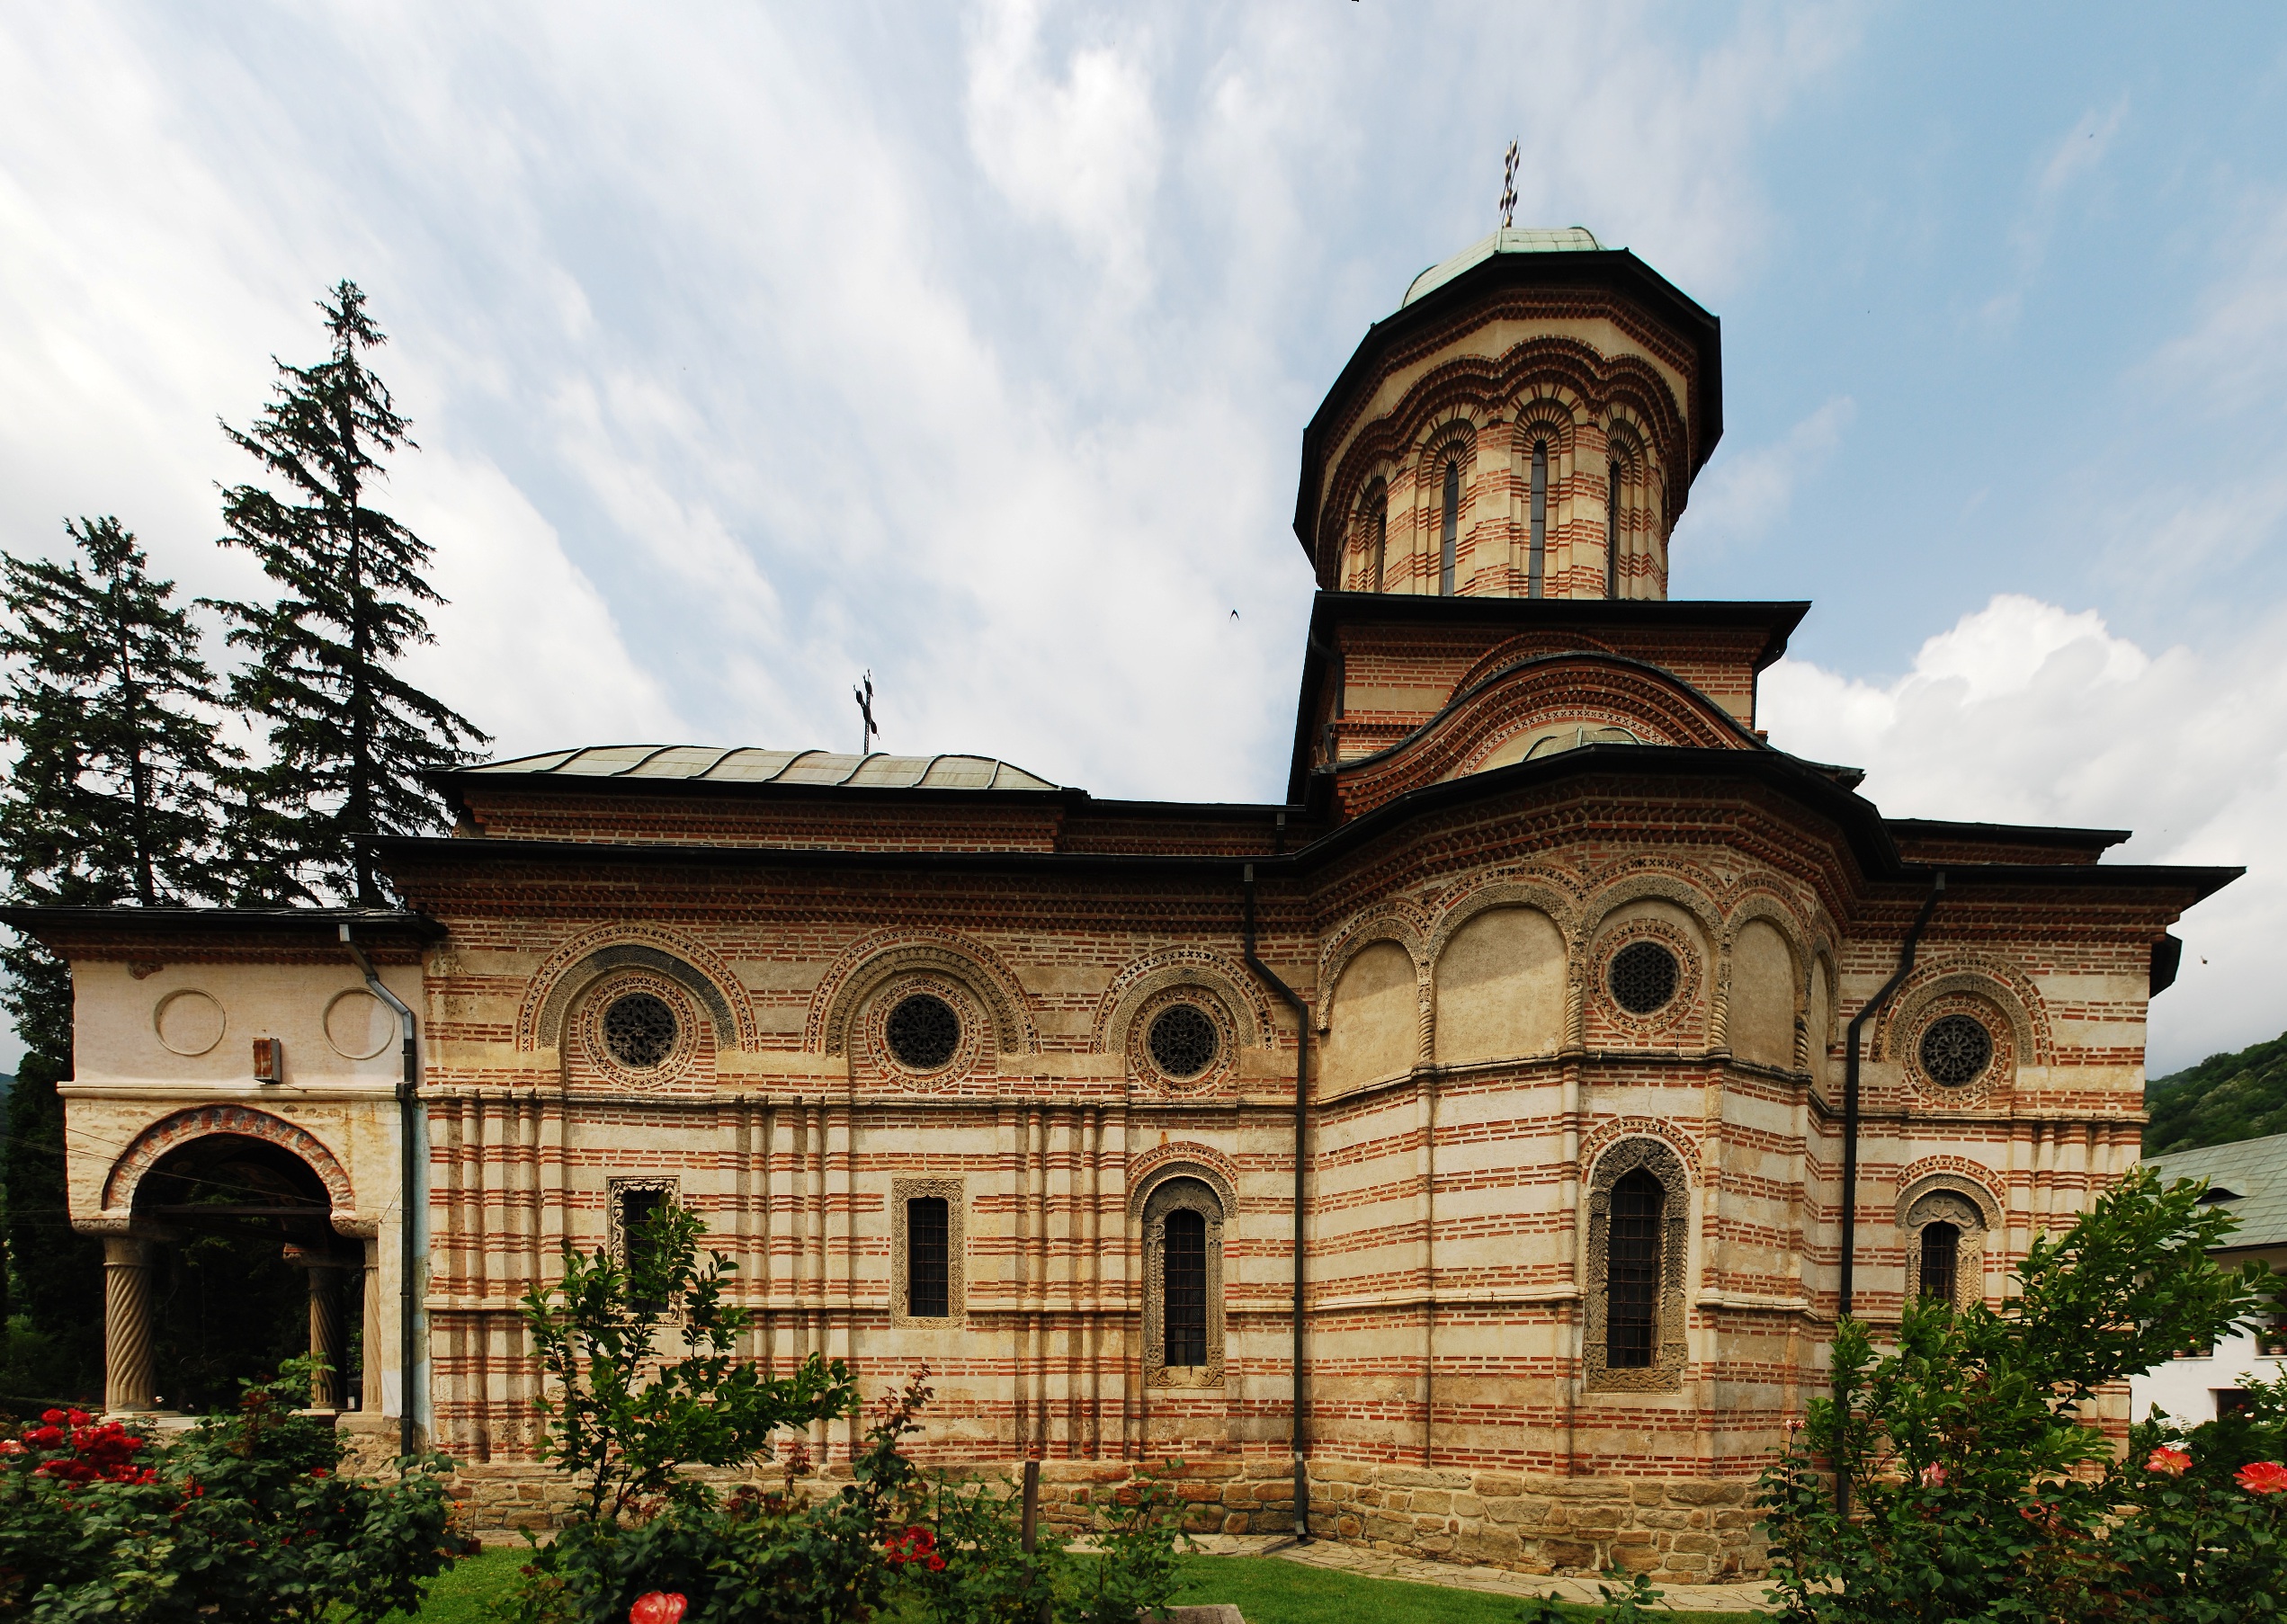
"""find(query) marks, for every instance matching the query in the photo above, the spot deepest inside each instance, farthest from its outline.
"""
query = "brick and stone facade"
(1494, 792)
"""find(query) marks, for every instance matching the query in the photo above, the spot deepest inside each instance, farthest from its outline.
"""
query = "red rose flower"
(2263, 1476)
(659, 1607)
(2173, 1462)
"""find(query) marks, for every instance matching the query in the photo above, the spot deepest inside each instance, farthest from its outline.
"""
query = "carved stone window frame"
(615, 1193)
(1672, 1020)
(967, 1054)
(1665, 1374)
(1183, 1187)
(1947, 1203)
(2000, 1071)
(608, 990)
(954, 1192)
(1145, 1066)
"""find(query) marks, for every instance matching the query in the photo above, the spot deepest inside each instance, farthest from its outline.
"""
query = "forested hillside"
(2223, 1098)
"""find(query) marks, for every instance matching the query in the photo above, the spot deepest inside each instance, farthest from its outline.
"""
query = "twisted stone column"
(325, 1338)
(129, 1377)
(370, 1399)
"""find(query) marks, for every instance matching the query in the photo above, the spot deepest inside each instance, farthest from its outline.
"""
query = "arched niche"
(1761, 1022)
(1373, 1019)
(1499, 987)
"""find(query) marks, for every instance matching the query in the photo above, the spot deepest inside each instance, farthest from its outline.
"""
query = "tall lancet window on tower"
(1380, 545)
(1611, 527)
(1453, 526)
(1537, 561)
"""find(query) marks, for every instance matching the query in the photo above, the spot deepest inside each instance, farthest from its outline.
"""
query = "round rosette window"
(1183, 1042)
(922, 1031)
(1643, 977)
(641, 1030)
(1956, 1051)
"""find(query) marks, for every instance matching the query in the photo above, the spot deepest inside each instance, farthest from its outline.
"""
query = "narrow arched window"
(1381, 537)
(1941, 1261)
(1611, 528)
(1183, 1315)
(1631, 1287)
(1536, 563)
(1452, 527)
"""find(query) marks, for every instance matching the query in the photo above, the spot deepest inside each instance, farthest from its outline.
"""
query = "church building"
(1472, 1151)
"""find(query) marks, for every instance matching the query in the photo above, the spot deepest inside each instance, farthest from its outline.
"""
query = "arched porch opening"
(230, 1266)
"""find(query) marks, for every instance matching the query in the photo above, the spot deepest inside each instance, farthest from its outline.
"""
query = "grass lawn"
(1266, 1591)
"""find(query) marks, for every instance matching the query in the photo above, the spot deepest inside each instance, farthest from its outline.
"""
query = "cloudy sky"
(752, 347)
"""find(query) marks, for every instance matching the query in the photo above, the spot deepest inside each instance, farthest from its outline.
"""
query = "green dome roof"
(1509, 239)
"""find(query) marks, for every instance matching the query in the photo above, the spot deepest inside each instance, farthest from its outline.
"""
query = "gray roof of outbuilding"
(2253, 1170)
(711, 763)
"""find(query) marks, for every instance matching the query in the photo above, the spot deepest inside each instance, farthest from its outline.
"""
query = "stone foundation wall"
(1679, 1531)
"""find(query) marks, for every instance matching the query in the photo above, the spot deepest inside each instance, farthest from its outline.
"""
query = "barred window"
(928, 1274)
(1941, 1261)
(1631, 1287)
(1183, 1315)
(639, 1209)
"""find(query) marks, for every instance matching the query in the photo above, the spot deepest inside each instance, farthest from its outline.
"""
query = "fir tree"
(348, 736)
(110, 799)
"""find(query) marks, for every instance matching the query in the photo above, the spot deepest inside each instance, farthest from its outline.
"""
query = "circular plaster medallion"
(358, 1025)
(189, 1021)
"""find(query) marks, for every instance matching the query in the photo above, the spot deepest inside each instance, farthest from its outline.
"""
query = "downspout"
(1850, 1125)
(408, 1168)
(1293, 1001)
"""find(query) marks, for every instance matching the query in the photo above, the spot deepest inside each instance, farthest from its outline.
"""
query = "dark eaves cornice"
(1861, 823)
(2014, 835)
(371, 924)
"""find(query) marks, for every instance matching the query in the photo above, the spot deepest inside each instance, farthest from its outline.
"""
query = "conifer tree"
(347, 735)
(110, 799)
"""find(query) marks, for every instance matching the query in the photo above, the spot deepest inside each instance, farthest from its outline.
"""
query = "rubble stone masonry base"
(1680, 1532)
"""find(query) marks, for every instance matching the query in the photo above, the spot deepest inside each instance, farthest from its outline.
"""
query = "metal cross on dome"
(1509, 188)
(863, 694)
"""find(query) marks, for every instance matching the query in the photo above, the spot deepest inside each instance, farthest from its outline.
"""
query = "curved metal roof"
(1509, 239)
(709, 764)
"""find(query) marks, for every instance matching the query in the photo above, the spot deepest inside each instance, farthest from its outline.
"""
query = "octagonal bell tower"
(1526, 424)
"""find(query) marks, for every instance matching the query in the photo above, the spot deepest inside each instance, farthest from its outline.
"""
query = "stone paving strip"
(1743, 1597)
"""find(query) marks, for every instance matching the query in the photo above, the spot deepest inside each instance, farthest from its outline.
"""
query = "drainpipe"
(1293, 1001)
(1850, 1123)
(408, 1153)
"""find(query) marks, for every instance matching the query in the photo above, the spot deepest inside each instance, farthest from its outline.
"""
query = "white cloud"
(1081, 150)
(2024, 712)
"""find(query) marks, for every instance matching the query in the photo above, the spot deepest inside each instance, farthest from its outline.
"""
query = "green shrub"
(245, 1517)
(1976, 1492)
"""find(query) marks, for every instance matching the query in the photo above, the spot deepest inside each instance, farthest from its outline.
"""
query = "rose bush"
(625, 1424)
(1976, 1488)
(244, 1517)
